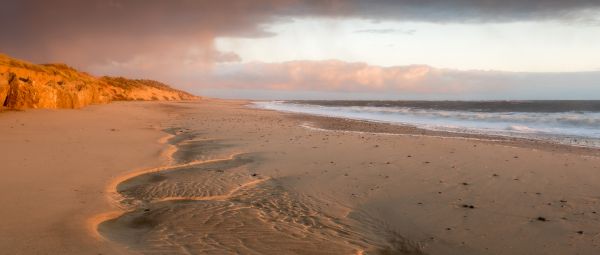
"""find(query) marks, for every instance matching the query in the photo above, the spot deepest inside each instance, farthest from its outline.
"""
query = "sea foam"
(572, 126)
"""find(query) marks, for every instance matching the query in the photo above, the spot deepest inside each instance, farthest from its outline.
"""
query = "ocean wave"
(568, 127)
(523, 129)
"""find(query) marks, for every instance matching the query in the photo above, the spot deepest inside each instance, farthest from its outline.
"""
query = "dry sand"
(56, 165)
(249, 181)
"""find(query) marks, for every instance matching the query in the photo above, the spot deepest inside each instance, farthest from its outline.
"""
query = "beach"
(221, 177)
(56, 165)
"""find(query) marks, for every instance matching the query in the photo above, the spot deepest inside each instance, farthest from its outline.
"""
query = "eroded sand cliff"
(25, 85)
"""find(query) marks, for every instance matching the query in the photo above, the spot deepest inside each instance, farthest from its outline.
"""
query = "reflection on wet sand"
(208, 205)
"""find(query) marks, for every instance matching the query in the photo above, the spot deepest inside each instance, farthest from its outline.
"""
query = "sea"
(571, 122)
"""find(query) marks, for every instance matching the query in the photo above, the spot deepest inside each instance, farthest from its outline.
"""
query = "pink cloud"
(334, 75)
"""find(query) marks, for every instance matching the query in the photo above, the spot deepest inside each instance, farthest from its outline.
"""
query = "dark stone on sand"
(541, 218)
(254, 174)
(580, 232)
(465, 184)
(468, 206)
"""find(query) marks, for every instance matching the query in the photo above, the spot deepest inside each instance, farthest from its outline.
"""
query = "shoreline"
(327, 123)
(408, 128)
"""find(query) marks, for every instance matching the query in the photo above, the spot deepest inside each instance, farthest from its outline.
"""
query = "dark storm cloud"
(86, 31)
(477, 10)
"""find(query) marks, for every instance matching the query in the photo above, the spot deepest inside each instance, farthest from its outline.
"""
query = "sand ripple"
(221, 207)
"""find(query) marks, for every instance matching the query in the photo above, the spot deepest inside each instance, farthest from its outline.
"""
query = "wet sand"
(233, 180)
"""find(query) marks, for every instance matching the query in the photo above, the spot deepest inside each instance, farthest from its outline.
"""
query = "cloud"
(84, 32)
(418, 81)
(96, 31)
(387, 31)
(172, 40)
(334, 75)
(476, 10)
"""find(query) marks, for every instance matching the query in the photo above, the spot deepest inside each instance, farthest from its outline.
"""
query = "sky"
(329, 49)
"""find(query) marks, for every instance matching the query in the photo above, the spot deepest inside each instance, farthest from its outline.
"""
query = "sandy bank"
(56, 165)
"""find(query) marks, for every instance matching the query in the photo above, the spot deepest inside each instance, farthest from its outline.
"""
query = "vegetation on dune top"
(27, 85)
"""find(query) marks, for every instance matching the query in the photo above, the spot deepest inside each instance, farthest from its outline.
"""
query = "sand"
(56, 165)
(230, 179)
